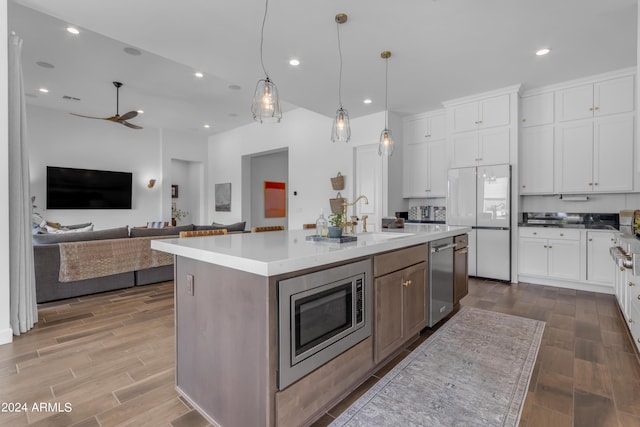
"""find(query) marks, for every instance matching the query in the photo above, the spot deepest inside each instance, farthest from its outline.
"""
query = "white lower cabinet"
(552, 253)
(599, 266)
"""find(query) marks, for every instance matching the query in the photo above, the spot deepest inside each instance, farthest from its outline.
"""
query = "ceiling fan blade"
(127, 116)
(89, 117)
(129, 125)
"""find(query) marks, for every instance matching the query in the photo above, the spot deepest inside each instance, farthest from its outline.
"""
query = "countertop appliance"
(480, 197)
(440, 279)
(320, 316)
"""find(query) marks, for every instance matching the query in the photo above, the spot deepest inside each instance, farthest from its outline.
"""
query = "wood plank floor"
(111, 357)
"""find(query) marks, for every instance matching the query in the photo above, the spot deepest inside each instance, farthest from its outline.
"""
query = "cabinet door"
(532, 256)
(436, 127)
(574, 157)
(416, 170)
(613, 148)
(564, 259)
(493, 146)
(574, 103)
(537, 110)
(465, 150)
(600, 267)
(416, 129)
(438, 169)
(465, 117)
(536, 160)
(460, 275)
(613, 96)
(388, 314)
(415, 286)
(494, 112)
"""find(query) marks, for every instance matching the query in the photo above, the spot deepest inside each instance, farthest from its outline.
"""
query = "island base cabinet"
(400, 308)
(223, 331)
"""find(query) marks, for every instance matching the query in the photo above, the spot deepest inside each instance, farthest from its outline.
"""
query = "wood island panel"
(224, 343)
(396, 260)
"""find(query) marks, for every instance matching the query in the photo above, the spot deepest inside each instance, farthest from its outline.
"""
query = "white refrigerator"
(479, 197)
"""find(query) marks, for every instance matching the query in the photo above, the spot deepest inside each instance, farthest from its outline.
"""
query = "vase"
(335, 232)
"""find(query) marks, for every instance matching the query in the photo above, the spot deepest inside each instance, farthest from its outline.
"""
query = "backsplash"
(427, 213)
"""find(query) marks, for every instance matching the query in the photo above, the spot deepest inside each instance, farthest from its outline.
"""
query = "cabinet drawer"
(634, 325)
(550, 233)
(461, 241)
(397, 260)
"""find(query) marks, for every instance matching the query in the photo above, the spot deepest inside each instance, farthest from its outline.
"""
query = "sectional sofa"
(55, 283)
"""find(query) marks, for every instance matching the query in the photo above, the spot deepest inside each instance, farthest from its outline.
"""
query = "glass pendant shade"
(386, 145)
(341, 130)
(265, 107)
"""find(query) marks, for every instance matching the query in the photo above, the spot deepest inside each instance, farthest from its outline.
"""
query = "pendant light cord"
(264, 19)
(340, 73)
(386, 90)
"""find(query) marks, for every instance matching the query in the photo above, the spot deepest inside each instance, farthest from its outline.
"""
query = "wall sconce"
(151, 183)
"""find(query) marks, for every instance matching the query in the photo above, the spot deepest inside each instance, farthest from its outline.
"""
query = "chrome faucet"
(352, 223)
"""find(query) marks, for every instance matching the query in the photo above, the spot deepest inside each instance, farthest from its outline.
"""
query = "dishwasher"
(440, 279)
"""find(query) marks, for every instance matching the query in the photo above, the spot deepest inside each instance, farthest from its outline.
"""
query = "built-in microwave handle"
(443, 248)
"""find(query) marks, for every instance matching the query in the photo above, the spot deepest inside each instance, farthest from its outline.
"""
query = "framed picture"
(174, 191)
(223, 197)
(275, 199)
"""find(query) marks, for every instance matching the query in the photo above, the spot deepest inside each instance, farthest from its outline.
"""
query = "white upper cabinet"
(424, 158)
(536, 160)
(595, 155)
(537, 110)
(487, 147)
(487, 113)
(424, 128)
(612, 96)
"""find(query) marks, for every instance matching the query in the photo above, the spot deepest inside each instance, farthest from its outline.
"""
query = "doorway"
(271, 166)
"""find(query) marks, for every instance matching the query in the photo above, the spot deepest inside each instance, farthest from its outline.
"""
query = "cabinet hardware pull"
(535, 232)
(638, 339)
(591, 109)
(524, 120)
(595, 183)
(546, 246)
(631, 284)
(591, 240)
(621, 268)
(597, 108)
(561, 234)
(630, 320)
(480, 121)
(591, 183)
(638, 296)
(428, 136)
(550, 246)
(524, 186)
(406, 283)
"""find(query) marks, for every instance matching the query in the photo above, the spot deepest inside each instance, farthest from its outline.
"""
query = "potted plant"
(335, 229)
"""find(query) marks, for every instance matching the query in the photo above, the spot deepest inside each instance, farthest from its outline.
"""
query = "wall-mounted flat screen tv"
(69, 188)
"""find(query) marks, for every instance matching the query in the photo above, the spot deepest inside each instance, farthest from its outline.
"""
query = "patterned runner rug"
(474, 371)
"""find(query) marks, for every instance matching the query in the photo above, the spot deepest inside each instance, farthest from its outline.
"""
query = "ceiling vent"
(70, 98)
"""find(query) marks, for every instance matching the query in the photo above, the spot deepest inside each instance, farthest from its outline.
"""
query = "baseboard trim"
(6, 336)
(579, 286)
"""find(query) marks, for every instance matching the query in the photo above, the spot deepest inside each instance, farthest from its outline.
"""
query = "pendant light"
(266, 102)
(386, 145)
(341, 130)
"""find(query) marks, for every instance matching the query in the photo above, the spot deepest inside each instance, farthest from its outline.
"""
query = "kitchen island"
(228, 342)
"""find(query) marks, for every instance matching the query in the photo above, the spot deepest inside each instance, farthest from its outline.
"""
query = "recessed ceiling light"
(294, 62)
(140, 111)
(73, 30)
(367, 101)
(132, 51)
(44, 90)
(45, 64)
(543, 51)
(207, 126)
(198, 74)
(234, 87)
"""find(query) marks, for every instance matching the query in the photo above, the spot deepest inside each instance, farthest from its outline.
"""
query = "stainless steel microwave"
(320, 316)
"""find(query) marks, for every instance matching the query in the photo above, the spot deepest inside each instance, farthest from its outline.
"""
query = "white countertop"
(278, 252)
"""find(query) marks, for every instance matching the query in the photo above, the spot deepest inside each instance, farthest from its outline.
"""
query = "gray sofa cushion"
(169, 231)
(111, 233)
(238, 226)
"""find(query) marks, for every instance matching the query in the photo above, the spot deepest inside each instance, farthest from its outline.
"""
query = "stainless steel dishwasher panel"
(440, 279)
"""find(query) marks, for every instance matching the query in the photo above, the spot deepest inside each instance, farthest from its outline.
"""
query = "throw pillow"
(237, 226)
(157, 224)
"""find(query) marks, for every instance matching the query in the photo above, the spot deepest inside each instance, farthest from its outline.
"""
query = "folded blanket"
(99, 258)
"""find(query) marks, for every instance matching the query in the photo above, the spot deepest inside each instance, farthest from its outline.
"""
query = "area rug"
(474, 371)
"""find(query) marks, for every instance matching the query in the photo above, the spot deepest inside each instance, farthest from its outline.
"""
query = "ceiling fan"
(122, 119)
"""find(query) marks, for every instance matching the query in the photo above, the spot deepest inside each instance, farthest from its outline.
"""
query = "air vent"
(70, 98)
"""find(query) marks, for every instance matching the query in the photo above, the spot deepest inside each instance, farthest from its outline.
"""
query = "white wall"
(189, 148)
(60, 139)
(313, 160)
(6, 334)
(267, 167)
(57, 138)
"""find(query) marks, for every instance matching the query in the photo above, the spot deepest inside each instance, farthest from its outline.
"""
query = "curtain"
(22, 290)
